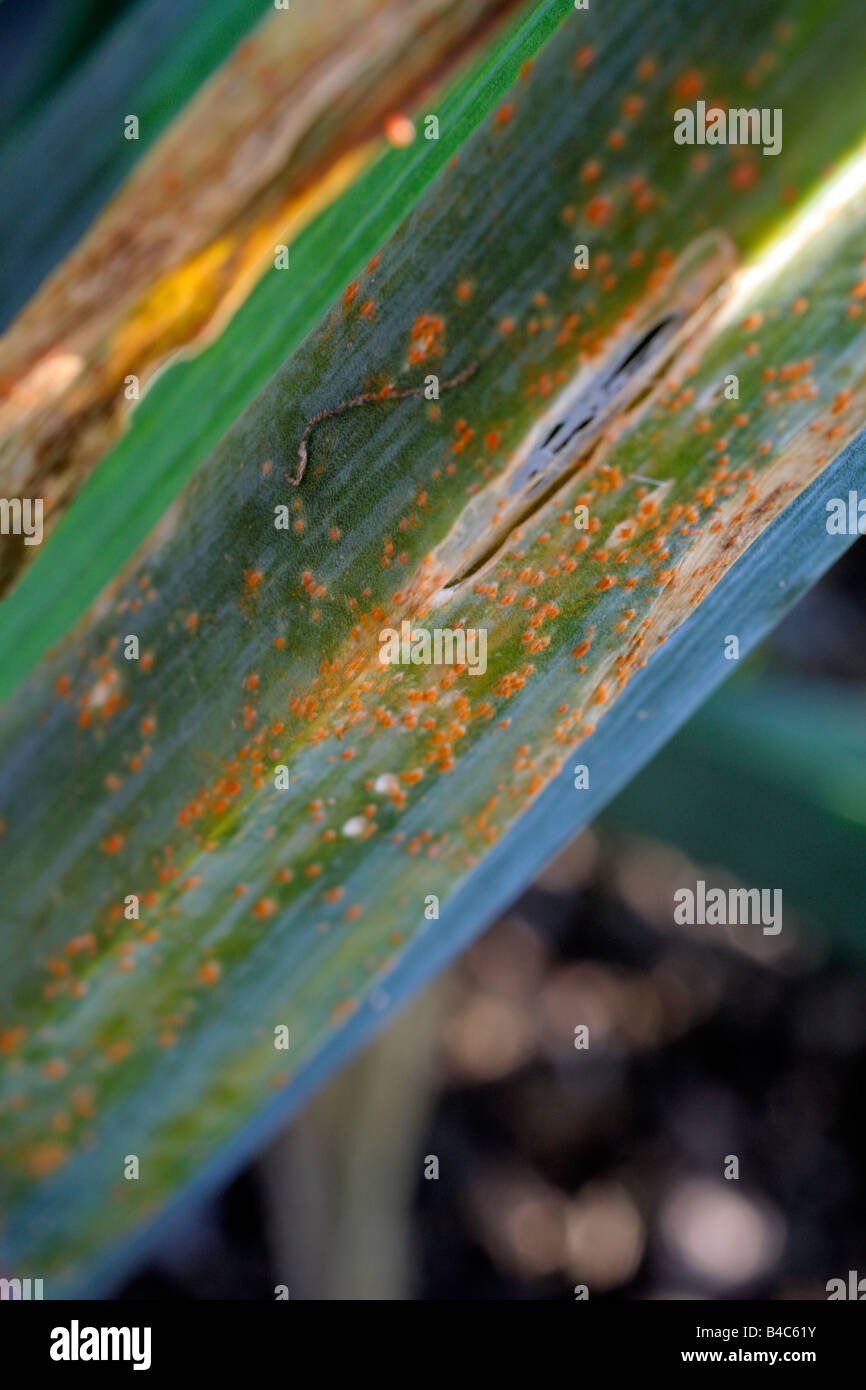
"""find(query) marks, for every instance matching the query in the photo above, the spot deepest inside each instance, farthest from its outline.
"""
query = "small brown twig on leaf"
(386, 394)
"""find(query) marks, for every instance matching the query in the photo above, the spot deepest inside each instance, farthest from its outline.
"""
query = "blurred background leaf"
(68, 156)
(42, 44)
(780, 768)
